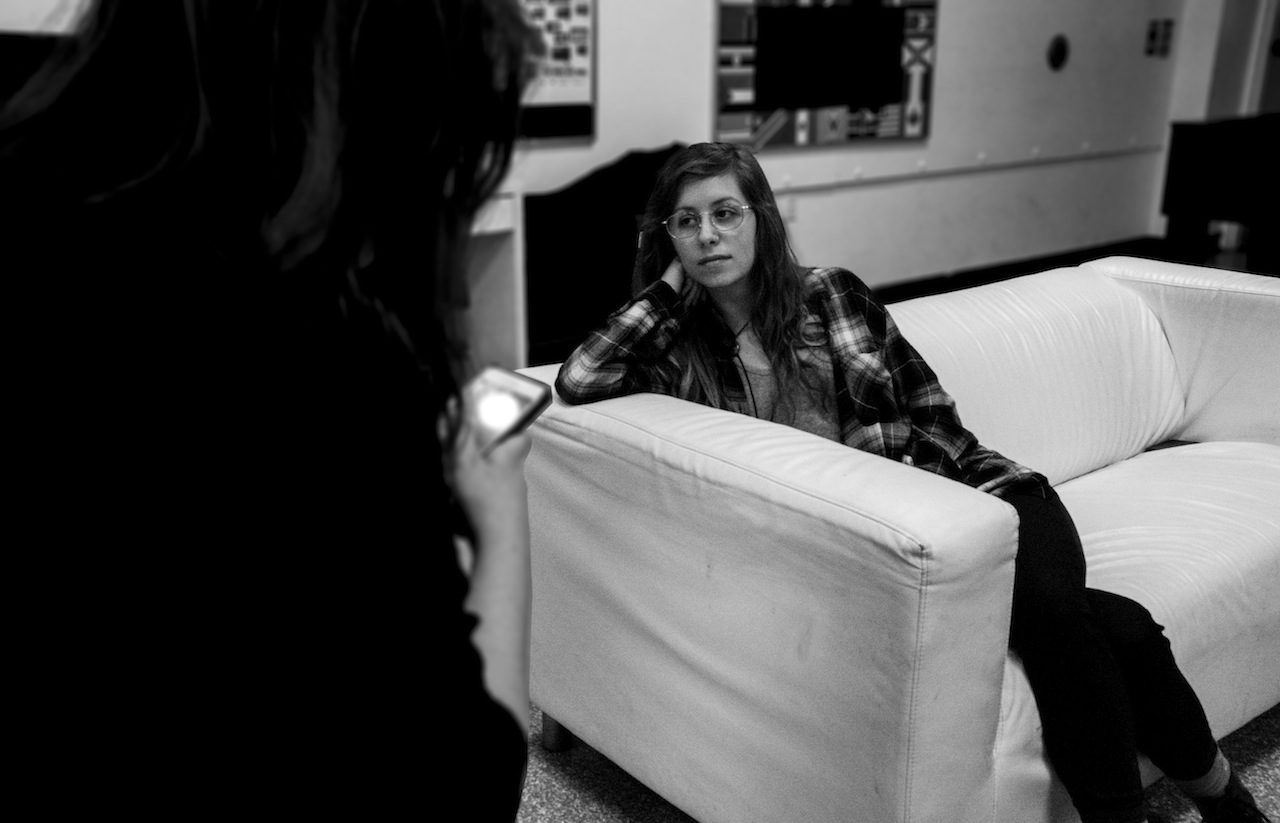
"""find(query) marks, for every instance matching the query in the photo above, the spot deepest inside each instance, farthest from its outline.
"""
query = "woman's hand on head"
(674, 275)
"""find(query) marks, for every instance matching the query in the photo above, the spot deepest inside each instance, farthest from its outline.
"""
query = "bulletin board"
(560, 101)
(798, 73)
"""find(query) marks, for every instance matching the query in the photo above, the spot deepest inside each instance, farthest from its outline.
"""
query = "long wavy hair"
(776, 281)
(341, 145)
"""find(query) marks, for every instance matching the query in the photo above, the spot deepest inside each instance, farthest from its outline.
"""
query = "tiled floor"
(582, 786)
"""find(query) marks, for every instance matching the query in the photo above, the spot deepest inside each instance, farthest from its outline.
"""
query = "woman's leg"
(1084, 705)
(1169, 722)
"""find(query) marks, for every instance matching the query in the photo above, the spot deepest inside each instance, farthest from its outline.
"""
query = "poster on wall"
(794, 73)
(560, 101)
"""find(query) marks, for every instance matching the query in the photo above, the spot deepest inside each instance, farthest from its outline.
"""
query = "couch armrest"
(1224, 330)
(764, 625)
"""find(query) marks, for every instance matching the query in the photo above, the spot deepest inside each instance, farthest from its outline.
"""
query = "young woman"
(234, 237)
(725, 316)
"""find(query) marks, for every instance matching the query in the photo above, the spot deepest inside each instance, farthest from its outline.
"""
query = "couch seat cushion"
(1193, 533)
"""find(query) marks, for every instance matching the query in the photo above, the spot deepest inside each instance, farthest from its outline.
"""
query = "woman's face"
(716, 258)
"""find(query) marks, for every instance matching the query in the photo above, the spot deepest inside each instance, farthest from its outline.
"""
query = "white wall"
(1021, 161)
(655, 84)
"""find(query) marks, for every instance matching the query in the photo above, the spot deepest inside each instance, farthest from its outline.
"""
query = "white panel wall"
(654, 85)
(995, 99)
(889, 230)
(1021, 161)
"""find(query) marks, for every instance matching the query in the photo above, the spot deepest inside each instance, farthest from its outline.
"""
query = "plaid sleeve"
(920, 419)
(619, 358)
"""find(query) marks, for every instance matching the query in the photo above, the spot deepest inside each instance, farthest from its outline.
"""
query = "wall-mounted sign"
(560, 102)
(822, 72)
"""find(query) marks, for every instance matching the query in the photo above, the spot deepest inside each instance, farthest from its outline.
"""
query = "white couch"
(762, 625)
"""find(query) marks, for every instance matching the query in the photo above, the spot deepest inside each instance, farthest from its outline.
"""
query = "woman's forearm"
(501, 597)
(609, 362)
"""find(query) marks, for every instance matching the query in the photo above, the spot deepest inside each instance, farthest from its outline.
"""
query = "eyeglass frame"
(666, 222)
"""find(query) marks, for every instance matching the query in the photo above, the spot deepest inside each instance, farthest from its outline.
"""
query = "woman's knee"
(1126, 623)
(1050, 561)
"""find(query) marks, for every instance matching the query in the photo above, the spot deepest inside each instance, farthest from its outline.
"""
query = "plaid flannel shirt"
(888, 400)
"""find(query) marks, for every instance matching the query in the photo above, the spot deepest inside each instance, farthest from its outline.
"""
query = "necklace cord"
(746, 378)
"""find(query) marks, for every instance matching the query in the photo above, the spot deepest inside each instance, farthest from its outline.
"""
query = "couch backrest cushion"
(1063, 371)
(1223, 328)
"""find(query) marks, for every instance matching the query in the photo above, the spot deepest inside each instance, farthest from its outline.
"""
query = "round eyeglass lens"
(726, 217)
(683, 224)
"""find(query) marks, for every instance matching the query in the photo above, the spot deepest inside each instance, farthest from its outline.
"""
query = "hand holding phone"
(500, 403)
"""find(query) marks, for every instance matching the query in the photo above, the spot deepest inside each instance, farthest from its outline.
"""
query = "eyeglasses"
(725, 217)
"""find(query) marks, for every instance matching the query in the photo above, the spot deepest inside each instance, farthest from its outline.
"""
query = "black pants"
(1102, 672)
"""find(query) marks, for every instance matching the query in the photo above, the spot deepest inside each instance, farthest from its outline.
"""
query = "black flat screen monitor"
(817, 56)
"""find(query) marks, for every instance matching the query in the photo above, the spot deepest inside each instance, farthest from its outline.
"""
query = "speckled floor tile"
(582, 786)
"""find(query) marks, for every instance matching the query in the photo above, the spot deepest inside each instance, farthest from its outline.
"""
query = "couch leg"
(555, 737)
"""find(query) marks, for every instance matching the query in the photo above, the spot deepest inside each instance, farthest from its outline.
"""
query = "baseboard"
(1258, 262)
(950, 281)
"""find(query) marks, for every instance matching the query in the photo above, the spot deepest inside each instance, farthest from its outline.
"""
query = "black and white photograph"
(642, 411)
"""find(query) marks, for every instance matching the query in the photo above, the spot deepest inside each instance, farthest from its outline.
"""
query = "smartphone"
(501, 402)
